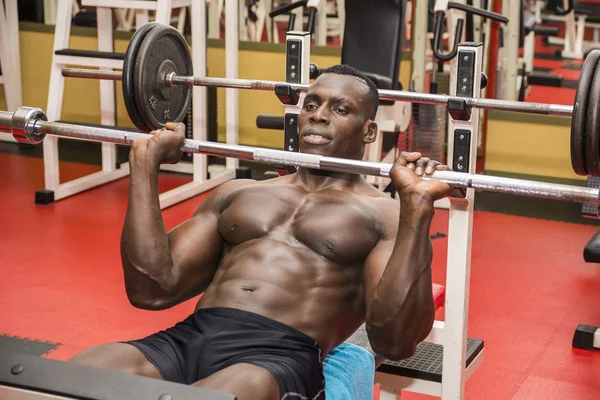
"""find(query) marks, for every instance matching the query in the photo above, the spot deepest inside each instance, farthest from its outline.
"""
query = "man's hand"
(406, 173)
(164, 147)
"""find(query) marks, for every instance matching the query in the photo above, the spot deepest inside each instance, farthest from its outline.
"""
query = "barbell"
(157, 81)
(30, 125)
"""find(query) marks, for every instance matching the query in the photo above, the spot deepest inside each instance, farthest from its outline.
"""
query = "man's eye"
(310, 107)
(341, 111)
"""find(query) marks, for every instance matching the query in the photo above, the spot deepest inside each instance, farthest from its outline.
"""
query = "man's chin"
(321, 150)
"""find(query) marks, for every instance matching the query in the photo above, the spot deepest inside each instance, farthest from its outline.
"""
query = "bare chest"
(333, 224)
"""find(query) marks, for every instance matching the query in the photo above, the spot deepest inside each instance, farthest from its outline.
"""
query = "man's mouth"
(313, 137)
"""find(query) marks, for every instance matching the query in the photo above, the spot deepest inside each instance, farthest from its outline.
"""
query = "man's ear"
(371, 132)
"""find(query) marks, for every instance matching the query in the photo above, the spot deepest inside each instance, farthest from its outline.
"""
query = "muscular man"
(288, 268)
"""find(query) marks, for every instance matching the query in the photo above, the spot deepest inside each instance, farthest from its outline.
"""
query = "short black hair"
(342, 69)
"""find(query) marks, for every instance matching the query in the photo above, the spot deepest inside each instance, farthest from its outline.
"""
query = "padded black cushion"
(545, 30)
(382, 82)
(591, 253)
(587, 8)
(373, 37)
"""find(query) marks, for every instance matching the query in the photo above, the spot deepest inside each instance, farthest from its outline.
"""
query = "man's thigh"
(245, 381)
(118, 357)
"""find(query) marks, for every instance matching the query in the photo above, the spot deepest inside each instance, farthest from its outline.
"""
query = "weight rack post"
(463, 136)
(297, 71)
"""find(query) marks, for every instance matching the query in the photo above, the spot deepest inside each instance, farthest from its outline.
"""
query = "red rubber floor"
(530, 288)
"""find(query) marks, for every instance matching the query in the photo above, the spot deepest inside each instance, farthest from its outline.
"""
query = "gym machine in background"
(299, 70)
(577, 17)
(516, 74)
(429, 129)
(530, 28)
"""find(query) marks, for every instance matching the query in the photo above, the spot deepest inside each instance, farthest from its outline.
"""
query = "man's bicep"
(196, 245)
(198, 241)
(375, 266)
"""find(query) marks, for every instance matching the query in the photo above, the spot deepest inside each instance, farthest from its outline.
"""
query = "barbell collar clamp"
(23, 125)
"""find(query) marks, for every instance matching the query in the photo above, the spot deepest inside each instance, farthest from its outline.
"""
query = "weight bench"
(583, 14)
(587, 337)
(350, 368)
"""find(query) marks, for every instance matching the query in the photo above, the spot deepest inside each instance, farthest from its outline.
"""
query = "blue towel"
(349, 373)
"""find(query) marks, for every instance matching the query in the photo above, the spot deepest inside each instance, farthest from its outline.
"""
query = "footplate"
(426, 364)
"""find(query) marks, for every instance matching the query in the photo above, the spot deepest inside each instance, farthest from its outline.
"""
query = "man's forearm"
(145, 250)
(402, 311)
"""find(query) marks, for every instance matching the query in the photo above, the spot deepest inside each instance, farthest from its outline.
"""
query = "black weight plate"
(127, 82)
(163, 50)
(580, 108)
(592, 128)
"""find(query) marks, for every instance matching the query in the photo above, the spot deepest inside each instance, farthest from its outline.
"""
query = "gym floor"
(62, 285)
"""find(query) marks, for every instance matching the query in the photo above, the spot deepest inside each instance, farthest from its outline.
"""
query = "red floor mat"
(61, 262)
(541, 63)
(547, 389)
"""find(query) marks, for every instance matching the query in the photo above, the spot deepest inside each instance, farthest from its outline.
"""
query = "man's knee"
(120, 357)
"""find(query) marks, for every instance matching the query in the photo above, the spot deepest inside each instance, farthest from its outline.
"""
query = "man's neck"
(315, 180)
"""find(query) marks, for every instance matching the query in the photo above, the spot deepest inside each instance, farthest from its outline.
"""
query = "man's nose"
(320, 115)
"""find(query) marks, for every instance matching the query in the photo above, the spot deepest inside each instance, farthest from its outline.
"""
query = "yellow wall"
(81, 100)
(531, 148)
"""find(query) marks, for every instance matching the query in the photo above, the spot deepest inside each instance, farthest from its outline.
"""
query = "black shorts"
(212, 339)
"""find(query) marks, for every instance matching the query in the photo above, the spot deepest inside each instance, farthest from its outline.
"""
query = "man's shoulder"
(234, 184)
(221, 192)
(372, 194)
(386, 210)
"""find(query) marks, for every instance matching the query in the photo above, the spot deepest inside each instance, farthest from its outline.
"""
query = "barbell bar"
(173, 79)
(30, 125)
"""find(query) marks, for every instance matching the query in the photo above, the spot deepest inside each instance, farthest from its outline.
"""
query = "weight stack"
(189, 120)
(211, 114)
(426, 132)
(443, 82)
(591, 210)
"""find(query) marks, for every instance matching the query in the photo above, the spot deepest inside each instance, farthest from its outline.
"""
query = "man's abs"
(292, 285)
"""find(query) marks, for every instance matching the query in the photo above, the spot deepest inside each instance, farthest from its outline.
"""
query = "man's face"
(334, 118)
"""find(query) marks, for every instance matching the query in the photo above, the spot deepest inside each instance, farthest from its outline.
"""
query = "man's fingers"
(431, 166)
(406, 157)
(420, 165)
(178, 127)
